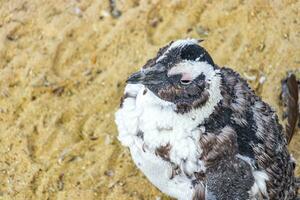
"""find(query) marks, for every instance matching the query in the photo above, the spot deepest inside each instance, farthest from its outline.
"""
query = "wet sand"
(63, 66)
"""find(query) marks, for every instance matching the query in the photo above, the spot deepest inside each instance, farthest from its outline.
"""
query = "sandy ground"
(63, 65)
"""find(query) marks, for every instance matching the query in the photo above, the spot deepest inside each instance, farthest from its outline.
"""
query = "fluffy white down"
(259, 186)
(161, 125)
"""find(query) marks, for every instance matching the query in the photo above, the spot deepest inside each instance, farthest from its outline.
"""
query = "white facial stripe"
(178, 44)
(192, 69)
(181, 43)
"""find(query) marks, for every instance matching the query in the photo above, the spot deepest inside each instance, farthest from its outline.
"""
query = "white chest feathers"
(147, 123)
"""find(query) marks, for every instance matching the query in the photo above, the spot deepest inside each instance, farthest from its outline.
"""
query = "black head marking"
(179, 87)
(195, 52)
(174, 53)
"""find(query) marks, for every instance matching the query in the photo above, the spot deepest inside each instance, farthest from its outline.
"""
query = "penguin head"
(181, 73)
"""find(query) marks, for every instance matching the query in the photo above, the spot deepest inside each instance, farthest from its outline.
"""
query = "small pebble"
(109, 173)
(262, 79)
(116, 13)
(108, 139)
(78, 11)
(201, 31)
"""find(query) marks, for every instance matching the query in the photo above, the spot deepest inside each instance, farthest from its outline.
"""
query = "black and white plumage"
(197, 131)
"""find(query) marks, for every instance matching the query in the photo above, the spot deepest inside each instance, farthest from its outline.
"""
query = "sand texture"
(63, 65)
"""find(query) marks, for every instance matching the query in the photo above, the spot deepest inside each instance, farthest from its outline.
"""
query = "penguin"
(198, 131)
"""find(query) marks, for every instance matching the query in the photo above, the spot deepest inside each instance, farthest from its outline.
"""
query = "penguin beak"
(149, 76)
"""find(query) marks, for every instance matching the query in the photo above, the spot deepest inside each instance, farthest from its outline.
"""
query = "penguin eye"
(186, 78)
(185, 81)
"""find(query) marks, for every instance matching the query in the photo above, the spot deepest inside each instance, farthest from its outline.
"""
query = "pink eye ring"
(186, 79)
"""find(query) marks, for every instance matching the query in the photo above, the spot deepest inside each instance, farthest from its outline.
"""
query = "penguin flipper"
(289, 97)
